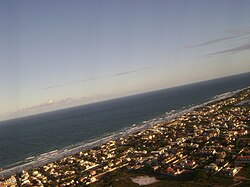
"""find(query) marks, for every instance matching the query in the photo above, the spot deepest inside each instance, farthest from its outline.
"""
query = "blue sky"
(61, 53)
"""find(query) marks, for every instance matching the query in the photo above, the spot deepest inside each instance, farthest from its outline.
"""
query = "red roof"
(243, 157)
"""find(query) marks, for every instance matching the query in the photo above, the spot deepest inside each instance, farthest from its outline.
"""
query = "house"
(242, 160)
(211, 168)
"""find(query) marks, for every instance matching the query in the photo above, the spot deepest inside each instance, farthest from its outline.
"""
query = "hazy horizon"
(104, 100)
(58, 54)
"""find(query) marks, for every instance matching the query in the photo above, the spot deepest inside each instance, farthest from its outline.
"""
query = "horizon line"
(129, 95)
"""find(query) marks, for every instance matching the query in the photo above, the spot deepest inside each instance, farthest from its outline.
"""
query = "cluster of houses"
(9, 182)
(214, 138)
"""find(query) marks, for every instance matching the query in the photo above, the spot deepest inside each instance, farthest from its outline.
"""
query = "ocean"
(34, 135)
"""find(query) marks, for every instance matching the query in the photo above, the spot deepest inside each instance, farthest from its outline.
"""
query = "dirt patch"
(144, 180)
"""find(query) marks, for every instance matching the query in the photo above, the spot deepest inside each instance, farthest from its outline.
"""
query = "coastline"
(56, 155)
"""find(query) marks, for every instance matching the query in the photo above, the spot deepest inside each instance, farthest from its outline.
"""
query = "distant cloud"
(48, 105)
(238, 31)
(239, 34)
(243, 47)
(51, 105)
(234, 33)
(96, 78)
(211, 42)
(44, 105)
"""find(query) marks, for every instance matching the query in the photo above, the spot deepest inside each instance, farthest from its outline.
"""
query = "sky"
(61, 53)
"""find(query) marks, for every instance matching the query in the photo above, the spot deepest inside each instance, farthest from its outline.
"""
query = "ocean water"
(30, 136)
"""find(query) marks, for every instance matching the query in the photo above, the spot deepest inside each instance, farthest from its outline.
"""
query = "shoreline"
(56, 155)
